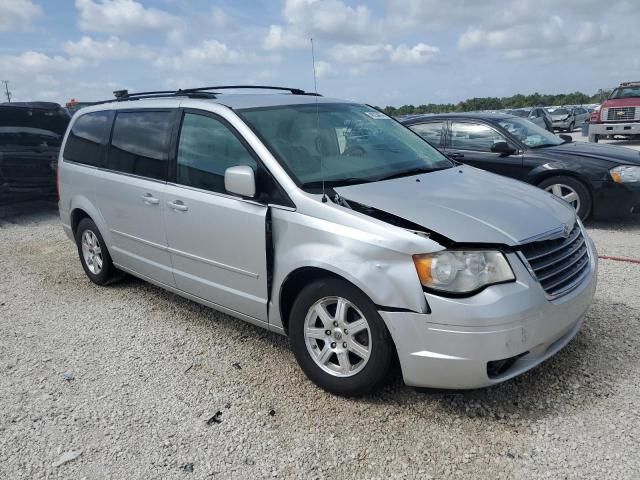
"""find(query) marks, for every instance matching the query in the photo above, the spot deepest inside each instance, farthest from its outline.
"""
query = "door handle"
(150, 199)
(178, 205)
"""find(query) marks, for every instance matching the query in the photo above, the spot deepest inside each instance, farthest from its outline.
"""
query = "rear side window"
(140, 143)
(88, 136)
(205, 150)
(431, 132)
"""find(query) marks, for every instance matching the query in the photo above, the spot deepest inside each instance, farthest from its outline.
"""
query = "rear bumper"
(631, 128)
(453, 346)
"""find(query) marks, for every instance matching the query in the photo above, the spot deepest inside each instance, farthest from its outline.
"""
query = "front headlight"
(625, 174)
(462, 271)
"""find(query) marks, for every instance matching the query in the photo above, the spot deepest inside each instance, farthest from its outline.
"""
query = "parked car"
(537, 115)
(568, 118)
(603, 180)
(331, 223)
(30, 138)
(619, 114)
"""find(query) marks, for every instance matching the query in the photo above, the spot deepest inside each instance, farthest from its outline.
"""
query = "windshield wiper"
(343, 182)
(410, 172)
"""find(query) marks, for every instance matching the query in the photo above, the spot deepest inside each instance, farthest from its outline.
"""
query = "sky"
(390, 52)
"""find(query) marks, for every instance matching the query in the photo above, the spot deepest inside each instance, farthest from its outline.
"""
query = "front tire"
(338, 338)
(572, 191)
(94, 256)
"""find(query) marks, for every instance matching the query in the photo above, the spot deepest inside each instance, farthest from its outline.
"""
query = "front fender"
(367, 259)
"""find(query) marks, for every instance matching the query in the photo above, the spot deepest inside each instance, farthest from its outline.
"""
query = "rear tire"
(335, 361)
(571, 190)
(94, 256)
(593, 137)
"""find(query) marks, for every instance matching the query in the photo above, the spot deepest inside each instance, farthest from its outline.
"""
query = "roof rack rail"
(199, 92)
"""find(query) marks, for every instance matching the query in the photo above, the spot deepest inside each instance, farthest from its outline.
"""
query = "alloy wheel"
(566, 193)
(92, 252)
(337, 336)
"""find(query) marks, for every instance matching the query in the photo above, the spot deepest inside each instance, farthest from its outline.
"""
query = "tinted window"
(140, 143)
(87, 138)
(473, 136)
(206, 149)
(340, 143)
(431, 132)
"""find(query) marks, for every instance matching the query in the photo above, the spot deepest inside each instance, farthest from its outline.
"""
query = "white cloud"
(323, 69)
(418, 54)
(111, 49)
(208, 53)
(17, 14)
(384, 53)
(219, 17)
(279, 38)
(31, 62)
(328, 20)
(543, 40)
(122, 16)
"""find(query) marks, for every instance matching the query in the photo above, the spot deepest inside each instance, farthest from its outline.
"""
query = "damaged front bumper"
(490, 337)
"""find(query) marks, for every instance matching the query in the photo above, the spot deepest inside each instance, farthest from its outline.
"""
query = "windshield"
(341, 143)
(560, 111)
(529, 133)
(519, 113)
(626, 92)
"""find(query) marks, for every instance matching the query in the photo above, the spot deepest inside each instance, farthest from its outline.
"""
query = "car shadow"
(23, 213)
(623, 224)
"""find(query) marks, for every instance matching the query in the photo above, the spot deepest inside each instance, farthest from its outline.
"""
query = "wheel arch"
(546, 174)
(296, 280)
(81, 207)
(576, 176)
(77, 214)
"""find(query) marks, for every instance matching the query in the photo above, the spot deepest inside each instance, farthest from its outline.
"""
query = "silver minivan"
(327, 221)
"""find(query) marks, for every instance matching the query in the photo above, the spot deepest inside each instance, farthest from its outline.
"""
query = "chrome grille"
(620, 114)
(559, 264)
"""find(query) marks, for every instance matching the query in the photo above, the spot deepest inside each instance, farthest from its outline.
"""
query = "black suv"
(30, 138)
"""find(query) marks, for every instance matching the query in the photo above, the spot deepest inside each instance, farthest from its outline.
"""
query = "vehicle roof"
(478, 115)
(233, 101)
(38, 105)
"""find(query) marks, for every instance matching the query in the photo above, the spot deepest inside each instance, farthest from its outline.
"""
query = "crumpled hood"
(467, 205)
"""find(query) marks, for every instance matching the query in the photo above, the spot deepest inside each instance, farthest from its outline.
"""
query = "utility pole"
(6, 90)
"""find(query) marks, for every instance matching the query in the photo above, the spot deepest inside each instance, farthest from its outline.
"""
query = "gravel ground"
(133, 382)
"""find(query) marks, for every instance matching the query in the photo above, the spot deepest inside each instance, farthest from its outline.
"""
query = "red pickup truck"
(619, 114)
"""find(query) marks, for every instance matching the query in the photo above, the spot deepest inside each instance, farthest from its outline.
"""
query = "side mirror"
(566, 138)
(503, 148)
(240, 180)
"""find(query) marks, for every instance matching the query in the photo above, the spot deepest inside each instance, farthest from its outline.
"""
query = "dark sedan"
(30, 138)
(602, 180)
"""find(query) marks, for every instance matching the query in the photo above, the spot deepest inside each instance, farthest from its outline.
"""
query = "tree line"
(496, 103)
